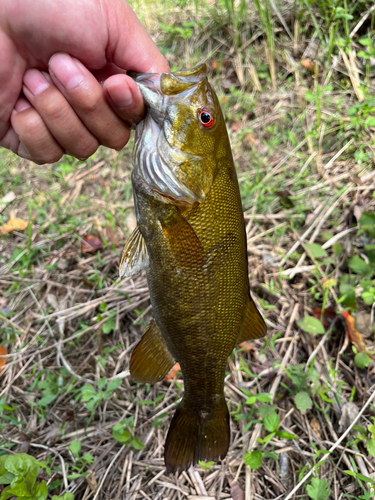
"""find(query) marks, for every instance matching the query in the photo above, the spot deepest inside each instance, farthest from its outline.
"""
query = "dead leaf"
(246, 347)
(237, 492)
(328, 316)
(315, 426)
(250, 140)
(3, 352)
(173, 372)
(363, 324)
(91, 481)
(13, 224)
(90, 243)
(8, 198)
(354, 336)
(309, 65)
(348, 414)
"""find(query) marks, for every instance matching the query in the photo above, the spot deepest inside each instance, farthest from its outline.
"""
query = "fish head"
(178, 144)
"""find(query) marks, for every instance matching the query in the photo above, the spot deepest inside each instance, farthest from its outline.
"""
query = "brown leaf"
(90, 243)
(309, 65)
(173, 372)
(328, 316)
(236, 492)
(354, 336)
(13, 224)
(91, 481)
(3, 352)
(246, 347)
(315, 426)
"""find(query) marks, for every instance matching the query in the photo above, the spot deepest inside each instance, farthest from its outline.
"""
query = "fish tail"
(197, 435)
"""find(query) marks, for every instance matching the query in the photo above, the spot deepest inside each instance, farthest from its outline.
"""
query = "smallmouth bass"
(191, 240)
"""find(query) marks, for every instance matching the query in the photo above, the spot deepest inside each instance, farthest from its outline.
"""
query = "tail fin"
(196, 435)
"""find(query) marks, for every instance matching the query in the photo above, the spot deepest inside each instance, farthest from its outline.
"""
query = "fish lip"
(149, 86)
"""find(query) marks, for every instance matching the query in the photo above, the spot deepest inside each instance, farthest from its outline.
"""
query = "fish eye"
(206, 118)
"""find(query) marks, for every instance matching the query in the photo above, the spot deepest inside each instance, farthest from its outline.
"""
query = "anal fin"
(151, 360)
(135, 256)
(253, 325)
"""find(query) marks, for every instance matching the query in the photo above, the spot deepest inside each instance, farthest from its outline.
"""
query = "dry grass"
(60, 303)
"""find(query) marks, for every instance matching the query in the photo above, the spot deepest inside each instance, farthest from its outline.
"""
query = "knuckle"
(55, 110)
(117, 142)
(84, 151)
(90, 103)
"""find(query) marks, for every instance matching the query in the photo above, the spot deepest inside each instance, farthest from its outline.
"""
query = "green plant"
(123, 432)
(318, 489)
(304, 382)
(19, 473)
(271, 424)
(92, 397)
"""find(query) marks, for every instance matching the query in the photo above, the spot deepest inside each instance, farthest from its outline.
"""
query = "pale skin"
(63, 87)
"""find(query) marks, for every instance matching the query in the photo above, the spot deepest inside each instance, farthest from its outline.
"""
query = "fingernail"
(21, 105)
(35, 81)
(66, 71)
(120, 94)
(22, 151)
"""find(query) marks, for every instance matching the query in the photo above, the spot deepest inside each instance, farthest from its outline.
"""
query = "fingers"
(125, 98)
(66, 111)
(35, 142)
(85, 95)
(57, 115)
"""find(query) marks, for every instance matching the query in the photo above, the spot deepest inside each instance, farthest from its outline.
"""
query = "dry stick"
(332, 447)
(199, 481)
(107, 471)
(65, 363)
(361, 21)
(255, 435)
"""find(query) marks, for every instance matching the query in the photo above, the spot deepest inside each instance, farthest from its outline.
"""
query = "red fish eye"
(206, 118)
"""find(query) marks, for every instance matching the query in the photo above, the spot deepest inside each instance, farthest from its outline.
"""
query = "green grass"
(303, 144)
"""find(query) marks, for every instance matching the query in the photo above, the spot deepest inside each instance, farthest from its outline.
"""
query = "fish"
(191, 240)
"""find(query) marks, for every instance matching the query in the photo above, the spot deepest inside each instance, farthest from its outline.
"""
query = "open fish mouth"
(155, 159)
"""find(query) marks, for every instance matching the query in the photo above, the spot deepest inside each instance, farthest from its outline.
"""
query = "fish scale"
(197, 269)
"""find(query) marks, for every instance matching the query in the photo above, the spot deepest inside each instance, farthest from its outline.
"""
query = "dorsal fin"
(253, 325)
(135, 256)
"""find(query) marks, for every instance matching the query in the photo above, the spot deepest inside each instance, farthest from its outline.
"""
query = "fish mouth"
(149, 86)
(155, 159)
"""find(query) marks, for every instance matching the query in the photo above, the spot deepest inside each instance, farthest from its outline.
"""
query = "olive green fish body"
(197, 274)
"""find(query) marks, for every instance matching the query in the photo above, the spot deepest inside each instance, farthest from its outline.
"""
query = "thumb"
(129, 45)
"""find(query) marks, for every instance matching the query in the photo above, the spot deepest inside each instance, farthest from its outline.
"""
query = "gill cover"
(174, 149)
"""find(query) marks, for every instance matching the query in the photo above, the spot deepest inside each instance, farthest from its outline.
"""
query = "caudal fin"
(196, 435)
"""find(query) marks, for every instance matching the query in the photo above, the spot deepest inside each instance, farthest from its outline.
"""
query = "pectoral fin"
(151, 360)
(183, 241)
(135, 256)
(253, 325)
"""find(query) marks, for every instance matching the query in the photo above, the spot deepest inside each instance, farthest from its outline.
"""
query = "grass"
(295, 81)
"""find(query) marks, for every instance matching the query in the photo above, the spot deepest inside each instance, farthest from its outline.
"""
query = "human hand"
(58, 54)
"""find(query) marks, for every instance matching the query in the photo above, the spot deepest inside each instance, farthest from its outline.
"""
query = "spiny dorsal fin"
(253, 325)
(151, 360)
(135, 256)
